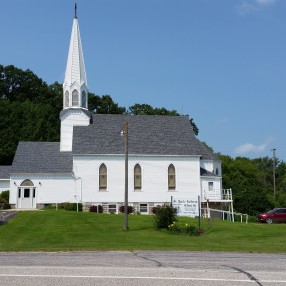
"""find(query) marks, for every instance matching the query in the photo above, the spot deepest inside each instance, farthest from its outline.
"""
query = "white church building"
(165, 159)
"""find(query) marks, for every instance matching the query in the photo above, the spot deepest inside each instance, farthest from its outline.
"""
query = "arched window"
(102, 177)
(83, 99)
(74, 97)
(27, 183)
(137, 177)
(67, 99)
(171, 177)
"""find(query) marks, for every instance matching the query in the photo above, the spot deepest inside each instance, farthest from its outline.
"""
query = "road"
(142, 268)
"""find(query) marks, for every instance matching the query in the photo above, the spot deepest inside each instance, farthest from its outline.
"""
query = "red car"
(278, 215)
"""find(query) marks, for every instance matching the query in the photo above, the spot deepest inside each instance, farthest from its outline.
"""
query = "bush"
(4, 204)
(70, 206)
(96, 209)
(184, 228)
(165, 216)
(5, 195)
(129, 210)
(155, 209)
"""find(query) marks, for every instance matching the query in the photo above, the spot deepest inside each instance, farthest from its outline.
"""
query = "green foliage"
(4, 204)
(104, 105)
(130, 209)
(184, 228)
(70, 206)
(251, 181)
(4, 200)
(5, 195)
(165, 216)
(154, 210)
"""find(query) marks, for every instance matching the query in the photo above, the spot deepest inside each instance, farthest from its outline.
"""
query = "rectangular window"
(143, 208)
(34, 192)
(112, 209)
(26, 193)
(211, 186)
(19, 193)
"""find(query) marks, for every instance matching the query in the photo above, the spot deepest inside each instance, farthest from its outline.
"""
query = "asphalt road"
(142, 268)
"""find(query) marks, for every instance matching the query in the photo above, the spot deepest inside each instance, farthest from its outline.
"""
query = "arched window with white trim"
(171, 177)
(137, 177)
(102, 177)
(75, 98)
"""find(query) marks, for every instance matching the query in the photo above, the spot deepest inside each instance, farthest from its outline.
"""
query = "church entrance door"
(27, 195)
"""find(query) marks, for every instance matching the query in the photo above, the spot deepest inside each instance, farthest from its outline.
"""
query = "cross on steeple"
(75, 10)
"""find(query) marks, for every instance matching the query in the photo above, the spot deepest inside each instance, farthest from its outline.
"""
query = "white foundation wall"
(154, 178)
(49, 189)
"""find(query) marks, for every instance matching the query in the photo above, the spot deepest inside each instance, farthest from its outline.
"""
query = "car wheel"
(269, 220)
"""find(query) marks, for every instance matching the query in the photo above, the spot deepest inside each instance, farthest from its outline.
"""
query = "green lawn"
(70, 231)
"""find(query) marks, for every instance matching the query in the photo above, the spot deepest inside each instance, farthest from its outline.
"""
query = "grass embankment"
(71, 231)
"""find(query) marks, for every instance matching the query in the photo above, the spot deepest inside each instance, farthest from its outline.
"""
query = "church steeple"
(75, 83)
(75, 103)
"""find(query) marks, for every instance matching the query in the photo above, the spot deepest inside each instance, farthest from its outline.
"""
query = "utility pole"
(274, 175)
(125, 132)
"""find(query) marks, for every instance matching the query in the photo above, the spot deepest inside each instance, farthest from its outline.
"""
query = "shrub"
(4, 204)
(96, 209)
(165, 216)
(5, 195)
(184, 228)
(70, 206)
(130, 209)
(155, 209)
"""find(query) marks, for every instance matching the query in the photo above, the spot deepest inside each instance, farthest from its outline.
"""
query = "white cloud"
(249, 6)
(250, 148)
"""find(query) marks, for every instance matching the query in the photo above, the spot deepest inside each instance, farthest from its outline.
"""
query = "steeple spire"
(75, 84)
(74, 111)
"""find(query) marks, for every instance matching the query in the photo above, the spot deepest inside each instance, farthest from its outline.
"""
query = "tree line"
(30, 108)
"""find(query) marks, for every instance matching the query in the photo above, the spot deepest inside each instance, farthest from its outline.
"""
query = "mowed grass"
(70, 231)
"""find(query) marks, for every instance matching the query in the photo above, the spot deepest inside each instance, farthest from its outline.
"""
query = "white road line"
(142, 277)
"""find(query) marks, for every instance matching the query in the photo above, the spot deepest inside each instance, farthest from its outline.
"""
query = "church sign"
(186, 207)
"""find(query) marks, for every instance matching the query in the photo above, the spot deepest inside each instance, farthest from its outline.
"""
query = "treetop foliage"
(252, 183)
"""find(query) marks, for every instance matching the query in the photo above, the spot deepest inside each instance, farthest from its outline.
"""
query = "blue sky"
(222, 62)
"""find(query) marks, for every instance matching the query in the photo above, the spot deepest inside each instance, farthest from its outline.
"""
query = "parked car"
(278, 214)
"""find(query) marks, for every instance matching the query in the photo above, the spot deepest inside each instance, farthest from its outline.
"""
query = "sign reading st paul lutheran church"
(186, 207)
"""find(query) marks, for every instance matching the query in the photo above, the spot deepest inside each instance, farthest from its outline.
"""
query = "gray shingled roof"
(5, 172)
(148, 135)
(41, 157)
(206, 173)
